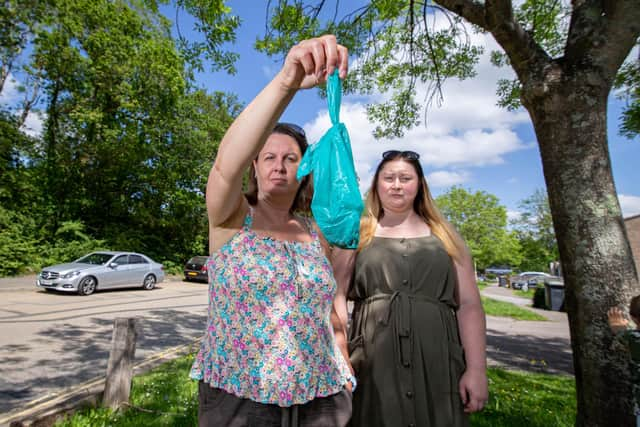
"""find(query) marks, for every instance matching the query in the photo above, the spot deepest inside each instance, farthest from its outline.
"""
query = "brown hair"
(423, 205)
(634, 308)
(302, 201)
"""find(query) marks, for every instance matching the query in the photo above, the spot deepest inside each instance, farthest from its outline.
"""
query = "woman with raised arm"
(274, 352)
(417, 339)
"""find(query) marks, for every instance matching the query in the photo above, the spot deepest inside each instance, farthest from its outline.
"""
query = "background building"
(633, 230)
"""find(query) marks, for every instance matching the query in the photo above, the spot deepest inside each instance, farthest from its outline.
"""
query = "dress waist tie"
(399, 314)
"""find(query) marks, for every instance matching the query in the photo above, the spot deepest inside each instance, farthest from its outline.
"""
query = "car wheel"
(149, 282)
(87, 286)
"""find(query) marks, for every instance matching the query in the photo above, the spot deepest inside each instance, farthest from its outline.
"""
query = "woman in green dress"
(417, 340)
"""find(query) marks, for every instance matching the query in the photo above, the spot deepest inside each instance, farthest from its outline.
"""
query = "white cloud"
(629, 204)
(33, 125)
(513, 215)
(12, 97)
(467, 131)
(10, 93)
(445, 179)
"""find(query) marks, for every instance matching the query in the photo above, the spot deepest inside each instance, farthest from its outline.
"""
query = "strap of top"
(248, 219)
(309, 224)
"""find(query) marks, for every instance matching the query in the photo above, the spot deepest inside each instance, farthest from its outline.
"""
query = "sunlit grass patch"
(494, 307)
(526, 399)
(522, 294)
(167, 397)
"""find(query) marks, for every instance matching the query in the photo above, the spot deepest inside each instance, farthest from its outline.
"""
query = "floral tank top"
(269, 337)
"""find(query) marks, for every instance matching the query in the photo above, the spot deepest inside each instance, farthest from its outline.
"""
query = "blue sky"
(469, 141)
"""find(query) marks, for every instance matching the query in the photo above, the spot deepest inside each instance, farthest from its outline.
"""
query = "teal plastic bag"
(337, 203)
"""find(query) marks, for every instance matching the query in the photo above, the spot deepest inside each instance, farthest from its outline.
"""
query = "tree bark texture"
(567, 100)
(597, 264)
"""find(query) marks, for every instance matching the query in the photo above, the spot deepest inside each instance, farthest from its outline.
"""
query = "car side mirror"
(113, 265)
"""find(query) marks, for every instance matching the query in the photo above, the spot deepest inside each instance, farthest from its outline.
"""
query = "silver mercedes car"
(102, 270)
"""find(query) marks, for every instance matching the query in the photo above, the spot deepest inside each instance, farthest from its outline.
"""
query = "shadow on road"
(83, 353)
(530, 353)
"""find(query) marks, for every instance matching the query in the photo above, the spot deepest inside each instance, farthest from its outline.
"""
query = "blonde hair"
(423, 205)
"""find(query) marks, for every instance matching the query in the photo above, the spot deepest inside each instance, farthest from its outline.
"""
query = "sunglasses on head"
(408, 154)
(294, 128)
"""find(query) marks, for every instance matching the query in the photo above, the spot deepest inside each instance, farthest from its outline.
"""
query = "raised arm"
(307, 64)
(472, 324)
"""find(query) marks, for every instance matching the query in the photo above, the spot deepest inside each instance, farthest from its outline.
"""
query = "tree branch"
(603, 32)
(496, 17)
(470, 10)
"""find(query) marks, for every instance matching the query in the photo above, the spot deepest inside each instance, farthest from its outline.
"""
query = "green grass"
(166, 397)
(523, 294)
(494, 307)
(526, 399)
(163, 397)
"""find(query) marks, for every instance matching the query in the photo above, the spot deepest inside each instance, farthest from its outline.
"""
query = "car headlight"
(70, 275)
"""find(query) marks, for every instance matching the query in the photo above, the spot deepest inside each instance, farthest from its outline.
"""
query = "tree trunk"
(570, 121)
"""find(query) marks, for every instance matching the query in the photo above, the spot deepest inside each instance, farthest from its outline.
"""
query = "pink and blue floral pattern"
(269, 336)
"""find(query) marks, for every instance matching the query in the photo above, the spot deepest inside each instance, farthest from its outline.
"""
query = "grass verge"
(494, 307)
(528, 399)
(166, 397)
(528, 294)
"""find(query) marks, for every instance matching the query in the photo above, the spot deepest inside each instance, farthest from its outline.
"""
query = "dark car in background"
(196, 269)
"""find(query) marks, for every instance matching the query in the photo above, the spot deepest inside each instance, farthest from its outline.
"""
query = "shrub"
(17, 243)
(24, 249)
(538, 298)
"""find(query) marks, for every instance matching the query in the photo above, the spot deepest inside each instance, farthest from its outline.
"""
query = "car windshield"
(197, 260)
(96, 258)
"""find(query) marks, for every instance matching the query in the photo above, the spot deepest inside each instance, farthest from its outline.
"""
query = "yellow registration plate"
(191, 273)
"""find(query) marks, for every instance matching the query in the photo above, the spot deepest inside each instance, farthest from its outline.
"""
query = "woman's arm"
(342, 261)
(471, 322)
(307, 64)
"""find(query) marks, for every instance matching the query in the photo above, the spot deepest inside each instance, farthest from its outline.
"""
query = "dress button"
(405, 255)
(405, 282)
(412, 425)
(410, 394)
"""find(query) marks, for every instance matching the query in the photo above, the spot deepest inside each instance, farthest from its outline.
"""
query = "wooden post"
(120, 367)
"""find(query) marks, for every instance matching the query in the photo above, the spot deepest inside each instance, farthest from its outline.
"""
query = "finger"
(343, 61)
(319, 59)
(331, 52)
(463, 394)
(472, 406)
(308, 65)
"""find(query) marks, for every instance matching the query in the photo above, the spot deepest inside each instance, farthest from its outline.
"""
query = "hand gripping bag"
(337, 203)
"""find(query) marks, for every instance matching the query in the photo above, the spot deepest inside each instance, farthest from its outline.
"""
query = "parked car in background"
(500, 270)
(102, 270)
(528, 279)
(196, 269)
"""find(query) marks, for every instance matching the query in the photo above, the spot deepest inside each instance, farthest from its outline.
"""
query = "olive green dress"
(404, 340)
